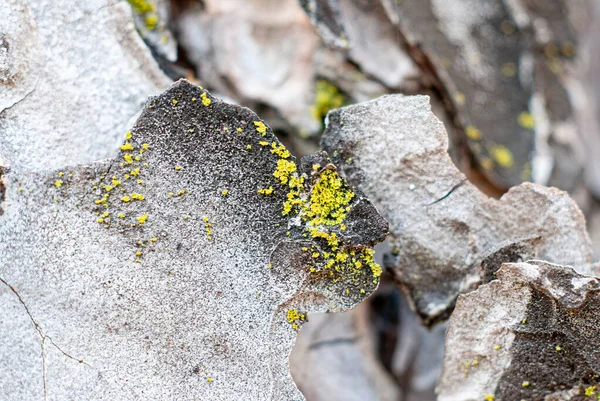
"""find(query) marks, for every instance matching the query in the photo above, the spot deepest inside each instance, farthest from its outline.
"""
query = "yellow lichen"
(328, 200)
(488, 397)
(128, 135)
(263, 143)
(142, 219)
(58, 183)
(126, 146)
(280, 151)
(502, 155)
(136, 196)
(327, 97)
(526, 120)
(266, 191)
(284, 170)
(525, 384)
(126, 199)
(473, 133)
(224, 192)
(260, 127)
(151, 21)
(239, 130)
(128, 157)
(177, 168)
(141, 6)
(294, 317)
(205, 100)
(589, 391)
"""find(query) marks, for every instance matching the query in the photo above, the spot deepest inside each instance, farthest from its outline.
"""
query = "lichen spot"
(266, 191)
(473, 133)
(142, 219)
(58, 183)
(224, 192)
(261, 128)
(128, 135)
(502, 155)
(174, 101)
(525, 384)
(126, 146)
(205, 100)
(329, 200)
(526, 120)
(177, 168)
(488, 397)
(284, 170)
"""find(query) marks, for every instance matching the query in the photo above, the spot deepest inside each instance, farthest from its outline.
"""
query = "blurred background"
(516, 83)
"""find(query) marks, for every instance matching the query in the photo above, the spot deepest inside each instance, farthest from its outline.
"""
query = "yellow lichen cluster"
(261, 128)
(284, 170)
(266, 191)
(502, 155)
(323, 211)
(280, 151)
(473, 133)
(147, 10)
(205, 100)
(327, 97)
(117, 183)
(295, 318)
(207, 227)
(526, 120)
(329, 200)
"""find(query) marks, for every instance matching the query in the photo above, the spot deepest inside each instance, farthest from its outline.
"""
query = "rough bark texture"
(531, 334)
(73, 76)
(164, 273)
(395, 151)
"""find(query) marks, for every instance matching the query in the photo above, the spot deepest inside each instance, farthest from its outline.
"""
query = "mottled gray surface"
(532, 334)
(153, 27)
(196, 314)
(395, 150)
(326, 17)
(256, 51)
(73, 76)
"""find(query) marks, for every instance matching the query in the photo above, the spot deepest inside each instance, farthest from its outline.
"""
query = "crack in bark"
(454, 188)
(18, 101)
(43, 337)
(333, 341)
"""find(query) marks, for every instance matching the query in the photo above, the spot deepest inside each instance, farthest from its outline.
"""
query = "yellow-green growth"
(502, 155)
(205, 100)
(526, 120)
(329, 200)
(141, 6)
(327, 97)
(266, 191)
(260, 127)
(473, 133)
(284, 170)
(294, 318)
